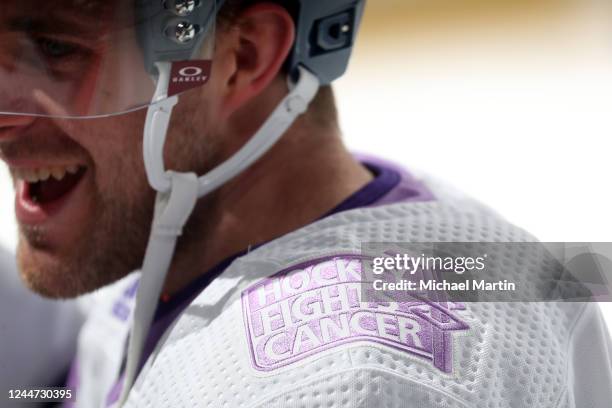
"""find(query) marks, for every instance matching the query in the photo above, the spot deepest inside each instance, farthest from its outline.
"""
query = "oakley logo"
(191, 71)
(190, 74)
(186, 75)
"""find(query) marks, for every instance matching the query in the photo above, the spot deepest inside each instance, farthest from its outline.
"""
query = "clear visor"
(91, 58)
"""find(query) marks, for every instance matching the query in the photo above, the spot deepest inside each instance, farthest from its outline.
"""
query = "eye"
(56, 49)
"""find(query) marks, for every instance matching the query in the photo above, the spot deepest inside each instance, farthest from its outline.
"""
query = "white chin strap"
(178, 193)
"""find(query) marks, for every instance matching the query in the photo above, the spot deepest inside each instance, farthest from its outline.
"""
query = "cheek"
(189, 146)
(115, 145)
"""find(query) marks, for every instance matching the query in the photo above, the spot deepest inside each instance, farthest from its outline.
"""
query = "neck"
(307, 174)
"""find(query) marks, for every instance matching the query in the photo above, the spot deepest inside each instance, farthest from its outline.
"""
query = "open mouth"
(45, 187)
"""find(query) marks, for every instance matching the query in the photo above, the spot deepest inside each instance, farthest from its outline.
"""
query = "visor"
(92, 58)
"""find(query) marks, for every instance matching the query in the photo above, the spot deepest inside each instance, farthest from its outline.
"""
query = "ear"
(262, 39)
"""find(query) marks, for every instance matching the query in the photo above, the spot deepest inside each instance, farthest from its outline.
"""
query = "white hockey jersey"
(284, 326)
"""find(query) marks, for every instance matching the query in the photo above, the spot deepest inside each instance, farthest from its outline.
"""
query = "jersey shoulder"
(287, 321)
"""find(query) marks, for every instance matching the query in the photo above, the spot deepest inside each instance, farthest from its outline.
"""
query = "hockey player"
(256, 305)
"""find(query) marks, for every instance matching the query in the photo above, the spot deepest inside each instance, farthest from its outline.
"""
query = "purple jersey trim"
(72, 383)
(409, 188)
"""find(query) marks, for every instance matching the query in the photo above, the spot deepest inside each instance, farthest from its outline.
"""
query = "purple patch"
(121, 311)
(312, 307)
(130, 292)
(122, 306)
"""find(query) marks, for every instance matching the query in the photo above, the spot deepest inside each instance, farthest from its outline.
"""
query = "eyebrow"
(87, 29)
(65, 21)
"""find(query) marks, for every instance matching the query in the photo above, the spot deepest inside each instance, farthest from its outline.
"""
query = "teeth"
(43, 174)
(58, 173)
(30, 176)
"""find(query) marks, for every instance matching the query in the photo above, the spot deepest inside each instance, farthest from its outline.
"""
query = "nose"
(11, 125)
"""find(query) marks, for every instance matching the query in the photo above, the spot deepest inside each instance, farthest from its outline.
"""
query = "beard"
(113, 246)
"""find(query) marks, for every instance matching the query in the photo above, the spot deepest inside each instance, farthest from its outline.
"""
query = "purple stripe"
(115, 392)
(72, 383)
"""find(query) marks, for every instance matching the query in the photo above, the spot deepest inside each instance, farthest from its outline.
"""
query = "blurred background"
(509, 101)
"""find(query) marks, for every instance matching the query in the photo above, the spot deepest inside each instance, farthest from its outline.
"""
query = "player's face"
(82, 200)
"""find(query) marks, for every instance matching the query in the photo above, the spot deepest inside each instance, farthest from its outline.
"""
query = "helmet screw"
(184, 32)
(182, 7)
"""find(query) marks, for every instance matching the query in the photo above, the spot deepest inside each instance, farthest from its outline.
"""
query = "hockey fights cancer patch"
(313, 307)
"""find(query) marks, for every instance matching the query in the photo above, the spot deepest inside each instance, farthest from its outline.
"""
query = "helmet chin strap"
(177, 194)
